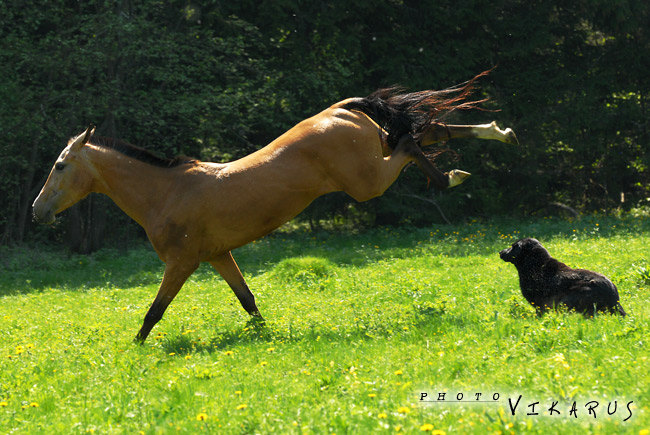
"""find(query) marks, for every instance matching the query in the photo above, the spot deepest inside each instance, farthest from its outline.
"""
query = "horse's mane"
(139, 153)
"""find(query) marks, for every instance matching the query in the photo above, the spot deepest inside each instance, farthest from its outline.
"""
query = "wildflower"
(172, 354)
(19, 350)
(3, 404)
(202, 416)
(242, 406)
(188, 356)
(263, 363)
(270, 349)
(372, 395)
(398, 372)
(559, 358)
(427, 427)
(229, 352)
(404, 410)
(238, 392)
(382, 415)
(34, 405)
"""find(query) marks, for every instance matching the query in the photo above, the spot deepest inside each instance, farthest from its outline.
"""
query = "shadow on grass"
(25, 270)
(425, 321)
(269, 334)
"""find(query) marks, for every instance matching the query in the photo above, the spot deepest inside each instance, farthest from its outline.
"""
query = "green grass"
(358, 325)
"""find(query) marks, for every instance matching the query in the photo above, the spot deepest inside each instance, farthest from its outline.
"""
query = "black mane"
(139, 153)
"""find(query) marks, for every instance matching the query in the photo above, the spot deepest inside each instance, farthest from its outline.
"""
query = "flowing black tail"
(411, 113)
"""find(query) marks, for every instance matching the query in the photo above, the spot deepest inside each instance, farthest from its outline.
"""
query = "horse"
(195, 211)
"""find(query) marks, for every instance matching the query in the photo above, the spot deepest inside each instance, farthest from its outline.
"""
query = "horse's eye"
(59, 166)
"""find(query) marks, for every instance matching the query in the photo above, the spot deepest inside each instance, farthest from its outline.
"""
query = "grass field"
(358, 327)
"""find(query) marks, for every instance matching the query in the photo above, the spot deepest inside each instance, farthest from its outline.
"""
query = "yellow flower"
(202, 416)
(404, 410)
(19, 350)
(270, 349)
(427, 427)
(228, 352)
(644, 432)
(242, 406)
(3, 404)
(372, 395)
(263, 363)
(34, 405)
(382, 415)
(238, 392)
(398, 372)
(188, 356)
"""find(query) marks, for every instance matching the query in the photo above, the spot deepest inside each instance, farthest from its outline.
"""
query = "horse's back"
(231, 204)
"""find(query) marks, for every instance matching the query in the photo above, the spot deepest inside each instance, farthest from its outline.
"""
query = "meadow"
(359, 326)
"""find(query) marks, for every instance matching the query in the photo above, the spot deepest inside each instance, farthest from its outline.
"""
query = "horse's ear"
(83, 138)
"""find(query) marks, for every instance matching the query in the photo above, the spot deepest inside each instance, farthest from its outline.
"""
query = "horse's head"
(70, 180)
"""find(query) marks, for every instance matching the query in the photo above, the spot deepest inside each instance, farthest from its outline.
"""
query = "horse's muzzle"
(47, 218)
(42, 214)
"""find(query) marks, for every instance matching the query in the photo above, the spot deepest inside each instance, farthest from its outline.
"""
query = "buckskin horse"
(194, 211)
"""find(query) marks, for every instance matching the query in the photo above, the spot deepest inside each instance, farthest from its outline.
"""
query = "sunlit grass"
(357, 327)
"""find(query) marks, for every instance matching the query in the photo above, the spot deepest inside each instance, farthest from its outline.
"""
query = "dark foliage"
(217, 80)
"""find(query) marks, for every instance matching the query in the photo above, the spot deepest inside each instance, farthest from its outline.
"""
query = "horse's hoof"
(456, 177)
(511, 137)
(256, 322)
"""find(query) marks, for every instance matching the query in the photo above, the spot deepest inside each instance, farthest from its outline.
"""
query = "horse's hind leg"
(376, 174)
(438, 132)
(408, 146)
(230, 272)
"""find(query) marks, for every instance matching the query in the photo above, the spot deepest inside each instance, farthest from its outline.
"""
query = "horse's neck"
(136, 187)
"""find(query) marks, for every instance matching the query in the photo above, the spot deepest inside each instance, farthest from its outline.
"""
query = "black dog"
(547, 283)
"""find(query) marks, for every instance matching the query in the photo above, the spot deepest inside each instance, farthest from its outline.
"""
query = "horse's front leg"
(175, 276)
(437, 132)
(229, 271)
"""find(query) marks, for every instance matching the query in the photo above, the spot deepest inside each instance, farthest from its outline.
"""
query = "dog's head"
(521, 249)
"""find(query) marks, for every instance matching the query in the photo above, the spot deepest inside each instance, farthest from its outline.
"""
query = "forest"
(217, 80)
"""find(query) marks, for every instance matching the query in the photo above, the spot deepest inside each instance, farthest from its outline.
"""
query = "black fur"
(138, 153)
(547, 283)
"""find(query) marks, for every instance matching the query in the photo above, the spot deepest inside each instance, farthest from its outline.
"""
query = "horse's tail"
(400, 113)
